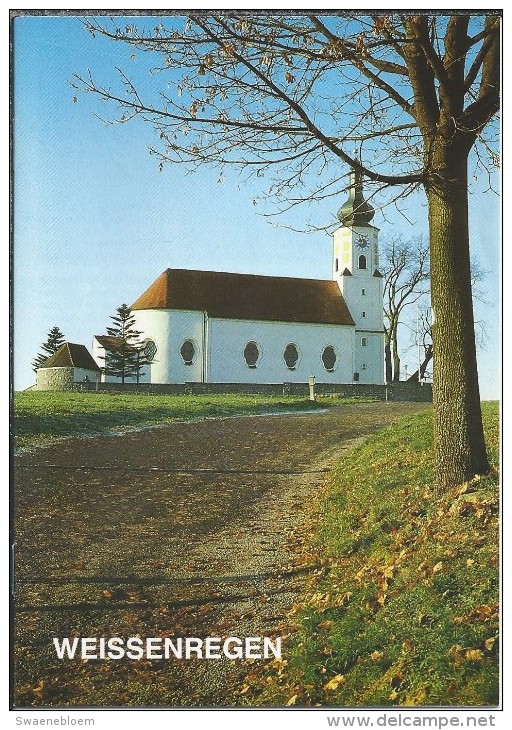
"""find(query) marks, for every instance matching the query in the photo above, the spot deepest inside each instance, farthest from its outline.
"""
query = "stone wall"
(403, 391)
(55, 379)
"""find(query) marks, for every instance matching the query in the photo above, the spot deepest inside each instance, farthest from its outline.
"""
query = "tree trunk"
(458, 431)
(387, 360)
(416, 377)
(396, 359)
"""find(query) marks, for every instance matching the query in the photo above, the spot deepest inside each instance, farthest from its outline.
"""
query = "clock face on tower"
(362, 242)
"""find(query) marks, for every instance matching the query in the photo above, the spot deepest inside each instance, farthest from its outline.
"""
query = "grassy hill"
(43, 417)
(404, 608)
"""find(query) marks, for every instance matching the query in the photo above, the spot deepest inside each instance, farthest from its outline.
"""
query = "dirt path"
(186, 530)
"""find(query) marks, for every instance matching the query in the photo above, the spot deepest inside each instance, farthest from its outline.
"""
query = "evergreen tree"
(54, 340)
(126, 359)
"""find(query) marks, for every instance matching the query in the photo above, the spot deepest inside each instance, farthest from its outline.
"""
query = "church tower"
(355, 268)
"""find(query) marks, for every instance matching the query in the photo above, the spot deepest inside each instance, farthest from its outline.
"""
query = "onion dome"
(356, 211)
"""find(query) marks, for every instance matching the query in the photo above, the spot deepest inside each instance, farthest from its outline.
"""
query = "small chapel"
(220, 327)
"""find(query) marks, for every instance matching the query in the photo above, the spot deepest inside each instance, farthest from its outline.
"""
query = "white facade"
(169, 329)
(219, 344)
(228, 338)
(355, 268)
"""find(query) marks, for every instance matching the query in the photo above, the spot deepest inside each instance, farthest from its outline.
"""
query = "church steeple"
(356, 211)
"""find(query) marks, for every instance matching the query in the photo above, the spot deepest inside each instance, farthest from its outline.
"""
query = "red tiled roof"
(247, 296)
(71, 355)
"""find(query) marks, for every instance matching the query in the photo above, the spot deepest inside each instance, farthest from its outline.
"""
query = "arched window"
(362, 264)
(251, 354)
(188, 352)
(291, 356)
(329, 358)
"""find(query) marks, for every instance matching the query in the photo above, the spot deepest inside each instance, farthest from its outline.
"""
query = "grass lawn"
(43, 417)
(404, 610)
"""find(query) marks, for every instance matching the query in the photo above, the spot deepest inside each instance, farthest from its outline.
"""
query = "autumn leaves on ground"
(386, 595)
(405, 608)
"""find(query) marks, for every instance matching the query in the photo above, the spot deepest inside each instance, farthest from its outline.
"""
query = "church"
(219, 327)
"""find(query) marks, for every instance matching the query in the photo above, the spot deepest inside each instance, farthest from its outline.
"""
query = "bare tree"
(405, 269)
(423, 342)
(289, 95)
(423, 330)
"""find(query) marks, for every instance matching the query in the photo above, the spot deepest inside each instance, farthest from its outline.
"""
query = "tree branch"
(477, 63)
(301, 113)
(358, 62)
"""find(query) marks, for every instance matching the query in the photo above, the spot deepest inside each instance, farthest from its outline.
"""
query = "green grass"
(43, 417)
(404, 610)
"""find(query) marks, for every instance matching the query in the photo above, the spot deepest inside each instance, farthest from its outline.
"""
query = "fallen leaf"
(474, 655)
(376, 655)
(489, 643)
(292, 700)
(325, 624)
(335, 682)
(397, 679)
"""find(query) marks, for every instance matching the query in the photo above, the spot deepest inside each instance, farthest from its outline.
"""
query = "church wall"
(369, 358)
(228, 338)
(224, 360)
(345, 254)
(169, 330)
(369, 302)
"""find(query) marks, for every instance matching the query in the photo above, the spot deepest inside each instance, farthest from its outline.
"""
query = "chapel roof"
(247, 296)
(109, 342)
(70, 354)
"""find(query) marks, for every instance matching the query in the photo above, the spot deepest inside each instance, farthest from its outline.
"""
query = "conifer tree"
(126, 359)
(54, 340)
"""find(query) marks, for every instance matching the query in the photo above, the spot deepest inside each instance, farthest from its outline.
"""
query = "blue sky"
(96, 222)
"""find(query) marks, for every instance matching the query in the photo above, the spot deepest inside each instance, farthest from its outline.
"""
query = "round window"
(149, 350)
(329, 358)
(251, 354)
(188, 352)
(291, 356)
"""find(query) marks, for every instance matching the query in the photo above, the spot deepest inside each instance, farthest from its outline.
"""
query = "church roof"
(71, 355)
(355, 211)
(247, 296)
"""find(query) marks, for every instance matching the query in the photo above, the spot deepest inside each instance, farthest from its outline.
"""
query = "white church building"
(219, 327)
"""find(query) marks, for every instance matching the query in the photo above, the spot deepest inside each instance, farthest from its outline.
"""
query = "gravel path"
(187, 530)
